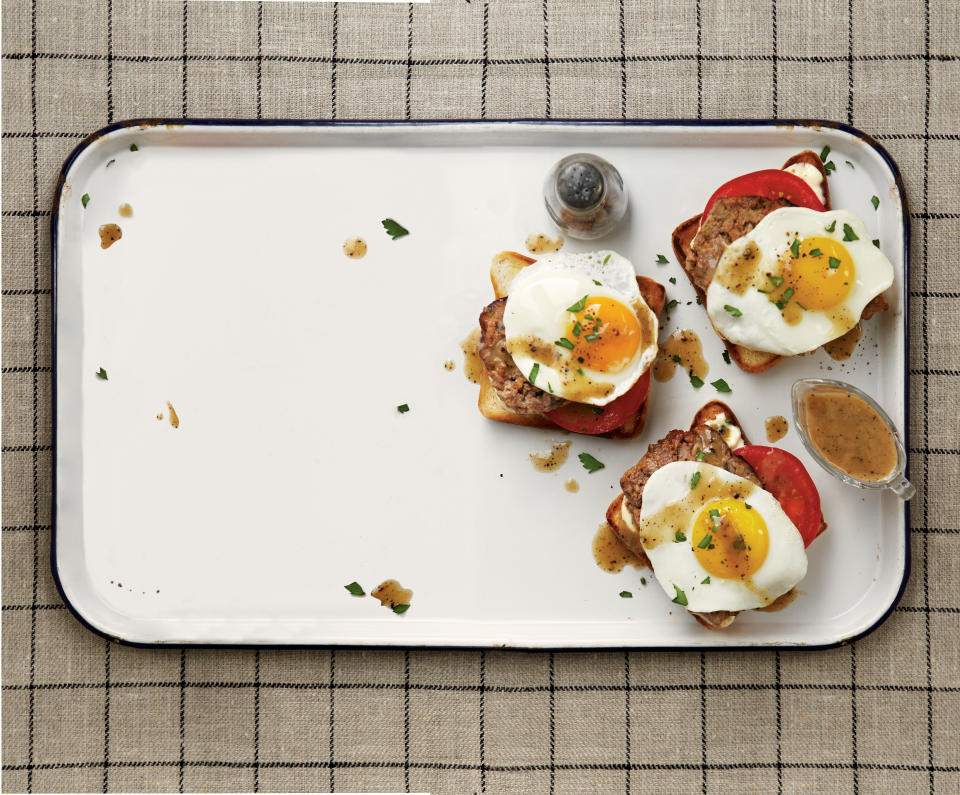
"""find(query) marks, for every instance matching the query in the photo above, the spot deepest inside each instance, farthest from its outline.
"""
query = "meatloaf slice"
(516, 392)
(729, 219)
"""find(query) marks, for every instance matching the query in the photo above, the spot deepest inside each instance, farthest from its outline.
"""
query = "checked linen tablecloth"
(83, 714)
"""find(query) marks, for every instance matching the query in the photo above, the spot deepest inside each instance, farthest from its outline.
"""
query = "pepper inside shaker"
(585, 196)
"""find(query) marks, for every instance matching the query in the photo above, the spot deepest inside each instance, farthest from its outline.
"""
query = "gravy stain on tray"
(842, 348)
(555, 458)
(780, 602)
(391, 593)
(777, 428)
(539, 243)
(109, 234)
(449, 365)
(125, 210)
(611, 554)
(572, 486)
(680, 348)
(355, 248)
(174, 419)
(472, 364)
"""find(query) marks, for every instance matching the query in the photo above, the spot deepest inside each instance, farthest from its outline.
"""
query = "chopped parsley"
(675, 358)
(579, 306)
(394, 229)
(824, 154)
(705, 580)
(606, 259)
(626, 595)
(577, 329)
(775, 280)
(714, 514)
(85, 199)
(695, 479)
(726, 356)
(829, 166)
(848, 233)
(679, 537)
(110, 162)
(695, 381)
(672, 303)
(698, 300)
(834, 263)
(580, 371)
(815, 252)
(875, 201)
(795, 247)
(732, 310)
(876, 242)
(563, 342)
(600, 284)
(549, 387)
(355, 589)
(534, 372)
(787, 295)
(672, 280)
(704, 541)
(403, 408)
(749, 506)
(592, 337)
(590, 463)
(399, 609)
(643, 580)
(700, 456)
(739, 543)
(101, 373)
(662, 260)
(720, 385)
(680, 598)
(833, 225)
(133, 147)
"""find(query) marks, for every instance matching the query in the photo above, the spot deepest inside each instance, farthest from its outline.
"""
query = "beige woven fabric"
(878, 716)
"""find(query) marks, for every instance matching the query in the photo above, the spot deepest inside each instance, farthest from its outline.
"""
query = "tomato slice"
(771, 183)
(583, 418)
(785, 477)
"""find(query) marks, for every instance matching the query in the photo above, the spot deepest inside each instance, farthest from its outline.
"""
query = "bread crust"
(747, 359)
(505, 266)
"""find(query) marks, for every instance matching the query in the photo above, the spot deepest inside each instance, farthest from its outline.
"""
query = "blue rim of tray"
(813, 124)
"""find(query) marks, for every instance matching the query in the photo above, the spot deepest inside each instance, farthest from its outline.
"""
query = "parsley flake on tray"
(355, 589)
(394, 229)
(590, 463)
(101, 373)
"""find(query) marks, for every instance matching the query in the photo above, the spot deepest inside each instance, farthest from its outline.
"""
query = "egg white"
(537, 307)
(761, 327)
(676, 564)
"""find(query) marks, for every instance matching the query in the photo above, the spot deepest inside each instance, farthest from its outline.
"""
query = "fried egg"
(797, 280)
(716, 541)
(577, 326)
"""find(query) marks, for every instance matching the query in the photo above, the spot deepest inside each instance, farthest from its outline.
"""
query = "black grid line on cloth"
(407, 116)
(485, 59)
(333, 110)
(109, 63)
(333, 673)
(406, 711)
(553, 723)
(558, 689)
(560, 766)
(482, 721)
(183, 722)
(926, 398)
(106, 721)
(546, 78)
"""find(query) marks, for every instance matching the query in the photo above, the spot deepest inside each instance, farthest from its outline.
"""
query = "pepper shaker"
(585, 196)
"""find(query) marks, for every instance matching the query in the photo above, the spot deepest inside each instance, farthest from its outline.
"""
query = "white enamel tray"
(292, 473)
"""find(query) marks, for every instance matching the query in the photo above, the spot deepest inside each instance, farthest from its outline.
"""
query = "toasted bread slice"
(746, 359)
(504, 267)
(630, 537)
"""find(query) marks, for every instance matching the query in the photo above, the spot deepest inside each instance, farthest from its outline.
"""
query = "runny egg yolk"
(605, 334)
(822, 275)
(729, 539)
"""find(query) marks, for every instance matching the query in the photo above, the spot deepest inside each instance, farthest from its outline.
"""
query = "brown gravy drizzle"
(109, 234)
(610, 553)
(539, 243)
(554, 459)
(174, 419)
(849, 434)
(355, 247)
(683, 344)
(572, 486)
(125, 210)
(449, 365)
(843, 347)
(777, 428)
(472, 363)
(780, 602)
(391, 593)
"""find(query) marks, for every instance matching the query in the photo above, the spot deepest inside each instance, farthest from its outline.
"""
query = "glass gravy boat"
(895, 481)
